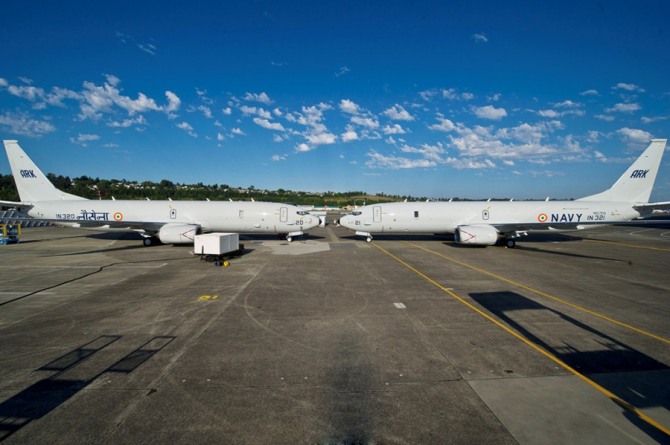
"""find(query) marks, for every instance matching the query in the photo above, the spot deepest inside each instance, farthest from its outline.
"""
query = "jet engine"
(178, 233)
(478, 235)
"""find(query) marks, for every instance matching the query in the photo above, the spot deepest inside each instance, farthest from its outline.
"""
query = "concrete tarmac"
(331, 340)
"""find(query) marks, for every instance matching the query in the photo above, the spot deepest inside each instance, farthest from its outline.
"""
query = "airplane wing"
(567, 226)
(647, 206)
(146, 226)
(16, 204)
(525, 227)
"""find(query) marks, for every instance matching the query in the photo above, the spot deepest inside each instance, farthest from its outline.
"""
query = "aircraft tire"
(147, 241)
(510, 243)
(289, 239)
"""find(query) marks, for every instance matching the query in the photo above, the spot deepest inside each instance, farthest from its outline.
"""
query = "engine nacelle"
(477, 235)
(178, 233)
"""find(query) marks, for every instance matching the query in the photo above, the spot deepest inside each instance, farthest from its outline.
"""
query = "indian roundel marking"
(542, 217)
(118, 216)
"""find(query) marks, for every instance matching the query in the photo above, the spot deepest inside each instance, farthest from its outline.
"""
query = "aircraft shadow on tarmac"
(46, 240)
(631, 375)
(44, 396)
(399, 237)
(528, 244)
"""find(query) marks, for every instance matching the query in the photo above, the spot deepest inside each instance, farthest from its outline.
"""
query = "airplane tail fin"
(32, 185)
(636, 184)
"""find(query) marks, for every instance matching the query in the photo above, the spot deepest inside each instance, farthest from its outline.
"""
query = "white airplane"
(485, 223)
(170, 222)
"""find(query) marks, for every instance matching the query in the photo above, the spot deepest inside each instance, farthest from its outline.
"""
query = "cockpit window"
(357, 213)
(302, 212)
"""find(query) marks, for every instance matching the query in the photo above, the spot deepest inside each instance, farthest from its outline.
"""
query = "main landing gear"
(150, 241)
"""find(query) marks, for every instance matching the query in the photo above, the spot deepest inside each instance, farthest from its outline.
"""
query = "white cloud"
(395, 129)
(247, 110)
(480, 38)
(553, 114)
(83, 139)
(443, 124)
(432, 152)
(628, 87)
(203, 96)
(367, 122)
(147, 48)
(470, 163)
(489, 112)
(227, 111)
(173, 103)
(30, 93)
(139, 120)
(452, 94)
(303, 148)
(349, 135)
(22, 124)
(430, 156)
(548, 113)
(102, 99)
(321, 138)
(378, 160)
(398, 113)
(428, 95)
(277, 158)
(343, 70)
(187, 128)
(589, 93)
(268, 125)
(349, 106)
(604, 117)
(94, 100)
(206, 111)
(238, 132)
(634, 136)
(316, 133)
(624, 108)
(567, 104)
(649, 120)
(593, 136)
(525, 141)
(599, 156)
(262, 98)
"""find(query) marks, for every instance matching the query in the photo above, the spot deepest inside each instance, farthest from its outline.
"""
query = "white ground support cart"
(217, 248)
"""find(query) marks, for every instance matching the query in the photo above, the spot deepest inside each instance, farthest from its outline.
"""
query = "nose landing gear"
(367, 235)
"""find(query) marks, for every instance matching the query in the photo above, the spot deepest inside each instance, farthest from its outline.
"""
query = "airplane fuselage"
(211, 216)
(445, 217)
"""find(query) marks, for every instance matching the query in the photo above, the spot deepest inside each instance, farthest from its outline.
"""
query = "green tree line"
(96, 188)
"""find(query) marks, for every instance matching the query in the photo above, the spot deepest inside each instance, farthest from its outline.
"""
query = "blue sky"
(438, 99)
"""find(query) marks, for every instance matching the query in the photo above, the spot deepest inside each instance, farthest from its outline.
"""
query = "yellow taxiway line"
(544, 294)
(635, 246)
(533, 345)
